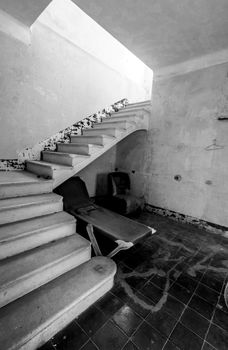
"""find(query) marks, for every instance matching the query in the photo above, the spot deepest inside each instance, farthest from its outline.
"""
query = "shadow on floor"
(168, 294)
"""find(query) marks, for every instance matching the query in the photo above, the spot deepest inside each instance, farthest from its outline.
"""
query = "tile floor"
(168, 295)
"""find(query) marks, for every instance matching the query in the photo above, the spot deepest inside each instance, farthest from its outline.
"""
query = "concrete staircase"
(47, 275)
(70, 158)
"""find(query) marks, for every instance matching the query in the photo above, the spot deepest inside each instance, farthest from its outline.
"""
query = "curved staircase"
(47, 275)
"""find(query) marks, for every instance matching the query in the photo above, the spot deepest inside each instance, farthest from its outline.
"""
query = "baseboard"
(208, 226)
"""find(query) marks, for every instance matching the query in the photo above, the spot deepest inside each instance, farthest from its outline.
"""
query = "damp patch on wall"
(208, 226)
(63, 136)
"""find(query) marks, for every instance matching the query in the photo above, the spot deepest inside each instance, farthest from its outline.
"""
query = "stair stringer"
(141, 124)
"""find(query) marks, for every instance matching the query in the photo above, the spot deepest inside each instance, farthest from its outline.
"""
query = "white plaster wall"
(95, 174)
(49, 85)
(70, 22)
(183, 123)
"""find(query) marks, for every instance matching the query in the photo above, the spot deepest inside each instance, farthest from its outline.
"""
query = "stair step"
(22, 183)
(131, 118)
(81, 149)
(107, 131)
(63, 158)
(25, 272)
(114, 124)
(124, 114)
(54, 305)
(21, 208)
(95, 140)
(28, 234)
(146, 103)
(46, 169)
(128, 111)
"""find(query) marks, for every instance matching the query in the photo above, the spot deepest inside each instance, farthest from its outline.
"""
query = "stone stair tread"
(107, 128)
(115, 118)
(35, 260)
(84, 145)
(102, 131)
(70, 155)
(91, 137)
(19, 177)
(23, 228)
(54, 305)
(116, 124)
(141, 103)
(54, 166)
(10, 203)
(132, 110)
(115, 121)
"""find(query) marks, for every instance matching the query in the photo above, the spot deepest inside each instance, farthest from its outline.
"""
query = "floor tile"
(147, 338)
(91, 320)
(185, 339)
(109, 304)
(195, 258)
(201, 306)
(187, 282)
(109, 337)
(210, 295)
(130, 346)
(136, 282)
(72, 337)
(211, 280)
(88, 346)
(152, 292)
(221, 319)
(195, 322)
(180, 293)
(173, 307)
(207, 346)
(217, 337)
(162, 322)
(138, 305)
(159, 281)
(170, 346)
(133, 261)
(127, 320)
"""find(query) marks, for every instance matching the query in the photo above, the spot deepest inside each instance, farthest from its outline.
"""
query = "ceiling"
(163, 32)
(25, 11)
(160, 32)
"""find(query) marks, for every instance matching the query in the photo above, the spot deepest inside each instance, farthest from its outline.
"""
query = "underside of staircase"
(47, 275)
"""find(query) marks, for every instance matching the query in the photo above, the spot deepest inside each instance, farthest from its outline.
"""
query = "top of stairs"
(145, 103)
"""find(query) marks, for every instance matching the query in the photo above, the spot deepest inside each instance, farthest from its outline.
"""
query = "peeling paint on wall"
(210, 227)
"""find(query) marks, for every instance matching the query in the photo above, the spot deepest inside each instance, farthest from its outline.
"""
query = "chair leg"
(122, 245)
(153, 231)
(93, 240)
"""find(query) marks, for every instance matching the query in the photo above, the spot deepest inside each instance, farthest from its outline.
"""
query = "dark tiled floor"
(168, 295)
